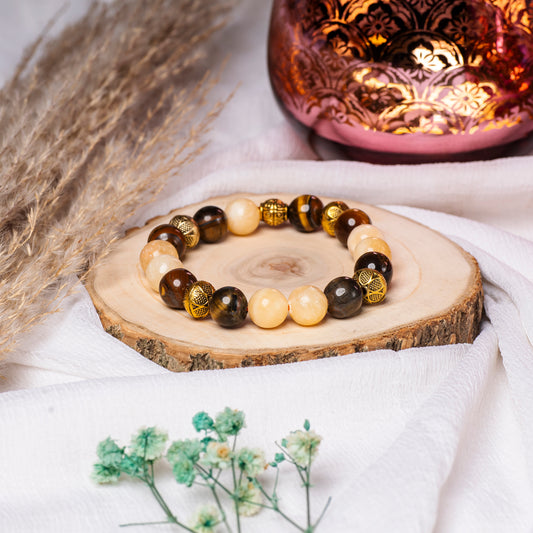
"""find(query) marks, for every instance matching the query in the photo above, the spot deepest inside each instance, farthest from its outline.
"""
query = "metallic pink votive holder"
(406, 80)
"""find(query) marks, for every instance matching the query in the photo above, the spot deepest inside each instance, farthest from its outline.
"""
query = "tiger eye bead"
(196, 298)
(344, 296)
(166, 232)
(372, 284)
(153, 249)
(243, 216)
(330, 214)
(308, 305)
(212, 222)
(158, 267)
(273, 212)
(347, 221)
(189, 229)
(228, 307)
(371, 244)
(305, 213)
(375, 261)
(173, 285)
(364, 231)
(268, 308)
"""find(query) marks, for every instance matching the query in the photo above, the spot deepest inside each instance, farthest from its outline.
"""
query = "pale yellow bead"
(158, 267)
(308, 305)
(268, 308)
(364, 231)
(371, 244)
(243, 216)
(153, 249)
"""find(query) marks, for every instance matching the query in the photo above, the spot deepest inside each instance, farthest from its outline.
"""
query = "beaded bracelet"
(268, 308)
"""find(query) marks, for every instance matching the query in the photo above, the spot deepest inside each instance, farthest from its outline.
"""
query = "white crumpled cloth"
(427, 439)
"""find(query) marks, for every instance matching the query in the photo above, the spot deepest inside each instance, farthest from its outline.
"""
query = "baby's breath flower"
(149, 443)
(217, 455)
(133, 465)
(302, 446)
(251, 461)
(184, 471)
(229, 422)
(188, 448)
(109, 453)
(205, 519)
(249, 495)
(202, 421)
(183, 455)
(105, 474)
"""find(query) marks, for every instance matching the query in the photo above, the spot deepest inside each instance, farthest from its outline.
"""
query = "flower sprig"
(232, 475)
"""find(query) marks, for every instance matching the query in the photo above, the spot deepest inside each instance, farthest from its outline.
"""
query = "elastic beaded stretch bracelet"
(160, 260)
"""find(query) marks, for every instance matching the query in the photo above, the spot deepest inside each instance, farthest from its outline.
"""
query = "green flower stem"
(207, 475)
(157, 495)
(274, 506)
(235, 489)
(310, 528)
(221, 509)
(160, 522)
(307, 491)
(274, 493)
(171, 519)
(322, 513)
(291, 460)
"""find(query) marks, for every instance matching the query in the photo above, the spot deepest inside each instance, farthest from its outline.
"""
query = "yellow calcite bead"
(308, 305)
(268, 308)
(153, 249)
(158, 267)
(243, 216)
(371, 244)
(358, 234)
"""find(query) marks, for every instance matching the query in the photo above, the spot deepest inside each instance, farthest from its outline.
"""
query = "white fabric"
(428, 439)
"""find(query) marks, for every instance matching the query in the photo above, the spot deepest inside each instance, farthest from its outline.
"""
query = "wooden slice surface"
(435, 296)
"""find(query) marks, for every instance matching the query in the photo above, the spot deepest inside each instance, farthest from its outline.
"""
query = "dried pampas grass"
(89, 131)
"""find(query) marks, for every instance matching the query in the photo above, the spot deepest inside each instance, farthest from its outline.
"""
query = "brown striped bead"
(173, 285)
(228, 307)
(167, 232)
(345, 297)
(347, 221)
(305, 213)
(212, 222)
(375, 261)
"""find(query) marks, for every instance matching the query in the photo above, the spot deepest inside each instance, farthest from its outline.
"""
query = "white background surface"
(428, 439)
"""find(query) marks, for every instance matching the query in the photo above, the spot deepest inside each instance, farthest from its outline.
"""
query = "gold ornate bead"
(372, 284)
(273, 212)
(189, 228)
(196, 299)
(330, 214)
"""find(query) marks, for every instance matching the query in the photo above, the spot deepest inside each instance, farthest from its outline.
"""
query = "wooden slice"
(435, 296)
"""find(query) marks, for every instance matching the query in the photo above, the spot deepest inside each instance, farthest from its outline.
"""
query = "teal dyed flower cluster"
(148, 444)
(203, 460)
